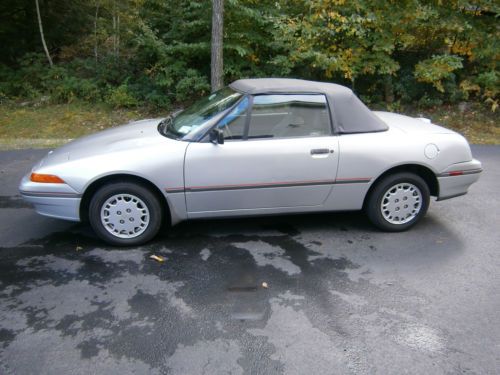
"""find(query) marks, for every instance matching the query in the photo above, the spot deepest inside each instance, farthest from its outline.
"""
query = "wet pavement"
(341, 297)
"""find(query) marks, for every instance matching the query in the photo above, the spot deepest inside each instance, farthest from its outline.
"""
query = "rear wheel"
(398, 202)
(125, 214)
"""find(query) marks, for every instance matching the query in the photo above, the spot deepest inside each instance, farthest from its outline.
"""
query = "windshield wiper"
(167, 120)
(166, 127)
(161, 127)
(171, 129)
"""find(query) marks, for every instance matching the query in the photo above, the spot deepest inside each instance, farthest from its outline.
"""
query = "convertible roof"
(350, 115)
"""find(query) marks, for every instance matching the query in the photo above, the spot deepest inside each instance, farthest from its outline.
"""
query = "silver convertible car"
(256, 147)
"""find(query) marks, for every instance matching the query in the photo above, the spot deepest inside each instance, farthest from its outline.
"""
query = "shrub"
(121, 97)
(193, 84)
(70, 88)
(436, 69)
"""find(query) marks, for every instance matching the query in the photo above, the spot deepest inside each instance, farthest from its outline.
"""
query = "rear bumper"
(456, 179)
(61, 201)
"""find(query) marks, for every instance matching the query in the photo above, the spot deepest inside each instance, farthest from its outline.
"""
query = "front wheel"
(398, 202)
(125, 214)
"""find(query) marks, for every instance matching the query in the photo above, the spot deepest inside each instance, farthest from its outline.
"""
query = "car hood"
(126, 137)
(411, 125)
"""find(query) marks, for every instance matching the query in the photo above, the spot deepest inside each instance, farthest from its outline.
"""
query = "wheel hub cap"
(125, 216)
(401, 203)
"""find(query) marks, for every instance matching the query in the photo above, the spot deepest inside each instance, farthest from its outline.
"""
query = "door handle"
(319, 151)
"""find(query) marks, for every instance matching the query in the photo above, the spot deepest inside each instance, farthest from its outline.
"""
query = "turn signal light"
(46, 178)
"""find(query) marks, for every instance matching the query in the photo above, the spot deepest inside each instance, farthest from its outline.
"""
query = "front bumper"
(457, 178)
(54, 200)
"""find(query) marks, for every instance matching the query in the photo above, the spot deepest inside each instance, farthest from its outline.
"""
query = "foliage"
(121, 97)
(157, 52)
(436, 69)
(193, 81)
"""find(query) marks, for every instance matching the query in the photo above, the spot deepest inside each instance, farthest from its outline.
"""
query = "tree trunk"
(117, 34)
(217, 63)
(95, 32)
(388, 89)
(114, 29)
(41, 33)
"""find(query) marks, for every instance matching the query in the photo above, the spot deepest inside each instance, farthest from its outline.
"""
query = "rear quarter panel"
(369, 155)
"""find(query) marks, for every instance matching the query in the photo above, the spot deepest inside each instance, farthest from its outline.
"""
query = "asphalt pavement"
(341, 297)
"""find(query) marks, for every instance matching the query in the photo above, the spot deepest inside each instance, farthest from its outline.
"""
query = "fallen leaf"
(158, 258)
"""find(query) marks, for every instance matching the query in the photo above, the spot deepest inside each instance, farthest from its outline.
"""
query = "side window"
(282, 116)
(233, 125)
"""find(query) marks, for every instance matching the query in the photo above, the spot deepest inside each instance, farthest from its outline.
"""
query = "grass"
(50, 125)
(476, 123)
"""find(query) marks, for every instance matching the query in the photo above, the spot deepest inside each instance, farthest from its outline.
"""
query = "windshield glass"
(202, 111)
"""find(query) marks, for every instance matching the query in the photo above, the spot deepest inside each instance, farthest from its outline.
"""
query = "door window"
(284, 116)
(233, 125)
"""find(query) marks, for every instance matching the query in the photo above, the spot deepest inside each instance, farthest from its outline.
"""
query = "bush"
(25, 81)
(34, 78)
(427, 101)
(157, 99)
(437, 69)
(67, 89)
(121, 97)
(193, 84)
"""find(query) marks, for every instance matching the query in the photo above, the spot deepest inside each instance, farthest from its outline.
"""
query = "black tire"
(373, 205)
(130, 188)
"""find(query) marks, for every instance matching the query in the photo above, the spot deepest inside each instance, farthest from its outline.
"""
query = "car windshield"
(200, 112)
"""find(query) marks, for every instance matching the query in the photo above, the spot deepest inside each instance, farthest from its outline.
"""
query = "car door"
(281, 154)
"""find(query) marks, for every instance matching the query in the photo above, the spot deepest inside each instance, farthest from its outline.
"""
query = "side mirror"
(217, 136)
